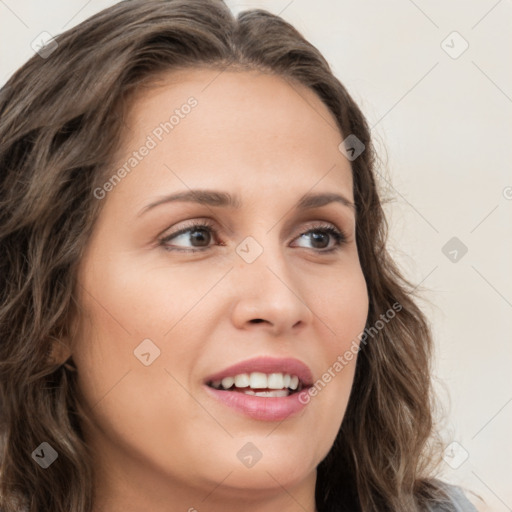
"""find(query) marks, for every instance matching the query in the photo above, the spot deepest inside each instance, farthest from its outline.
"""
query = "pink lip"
(264, 408)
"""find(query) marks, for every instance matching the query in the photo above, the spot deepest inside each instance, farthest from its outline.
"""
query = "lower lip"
(262, 408)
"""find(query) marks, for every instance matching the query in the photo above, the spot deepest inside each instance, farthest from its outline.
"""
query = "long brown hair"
(60, 118)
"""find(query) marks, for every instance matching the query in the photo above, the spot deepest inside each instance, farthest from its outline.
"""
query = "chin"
(276, 468)
(265, 478)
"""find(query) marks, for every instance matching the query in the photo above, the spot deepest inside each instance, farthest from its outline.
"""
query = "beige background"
(443, 127)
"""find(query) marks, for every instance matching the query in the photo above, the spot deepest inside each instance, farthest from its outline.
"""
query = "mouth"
(272, 385)
(265, 388)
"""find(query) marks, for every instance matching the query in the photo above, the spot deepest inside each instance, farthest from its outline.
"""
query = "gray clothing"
(459, 502)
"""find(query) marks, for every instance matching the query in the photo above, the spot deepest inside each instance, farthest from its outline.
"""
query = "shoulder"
(458, 500)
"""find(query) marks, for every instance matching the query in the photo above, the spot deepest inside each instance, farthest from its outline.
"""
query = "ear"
(59, 352)
(61, 344)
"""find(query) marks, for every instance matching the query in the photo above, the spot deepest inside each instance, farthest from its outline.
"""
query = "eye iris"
(319, 236)
(198, 235)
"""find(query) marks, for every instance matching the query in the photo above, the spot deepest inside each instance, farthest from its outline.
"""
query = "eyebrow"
(224, 199)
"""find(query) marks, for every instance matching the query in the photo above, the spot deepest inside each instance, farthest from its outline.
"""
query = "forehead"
(237, 127)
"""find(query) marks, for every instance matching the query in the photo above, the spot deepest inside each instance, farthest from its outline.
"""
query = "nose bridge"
(262, 260)
(267, 288)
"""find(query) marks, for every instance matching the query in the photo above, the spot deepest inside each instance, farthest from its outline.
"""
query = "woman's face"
(165, 315)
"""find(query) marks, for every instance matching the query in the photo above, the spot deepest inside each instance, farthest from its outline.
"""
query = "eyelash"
(338, 235)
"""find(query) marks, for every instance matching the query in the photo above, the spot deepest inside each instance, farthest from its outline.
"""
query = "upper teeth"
(258, 380)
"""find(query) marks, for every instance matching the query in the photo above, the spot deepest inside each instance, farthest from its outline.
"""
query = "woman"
(198, 309)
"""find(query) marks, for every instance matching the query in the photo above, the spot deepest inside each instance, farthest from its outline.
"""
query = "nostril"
(256, 320)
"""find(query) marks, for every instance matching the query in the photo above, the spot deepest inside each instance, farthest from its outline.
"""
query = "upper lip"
(267, 365)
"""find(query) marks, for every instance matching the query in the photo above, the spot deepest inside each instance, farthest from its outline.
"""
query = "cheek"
(124, 304)
(126, 398)
(342, 307)
(129, 299)
(341, 303)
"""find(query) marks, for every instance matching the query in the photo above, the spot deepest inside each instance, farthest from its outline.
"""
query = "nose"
(269, 295)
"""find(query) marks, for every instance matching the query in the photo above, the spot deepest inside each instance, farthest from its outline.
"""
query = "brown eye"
(321, 236)
(319, 239)
(198, 236)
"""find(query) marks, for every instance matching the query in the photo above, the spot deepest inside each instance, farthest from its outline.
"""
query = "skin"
(160, 442)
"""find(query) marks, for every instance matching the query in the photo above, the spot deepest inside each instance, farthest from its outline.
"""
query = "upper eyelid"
(212, 224)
